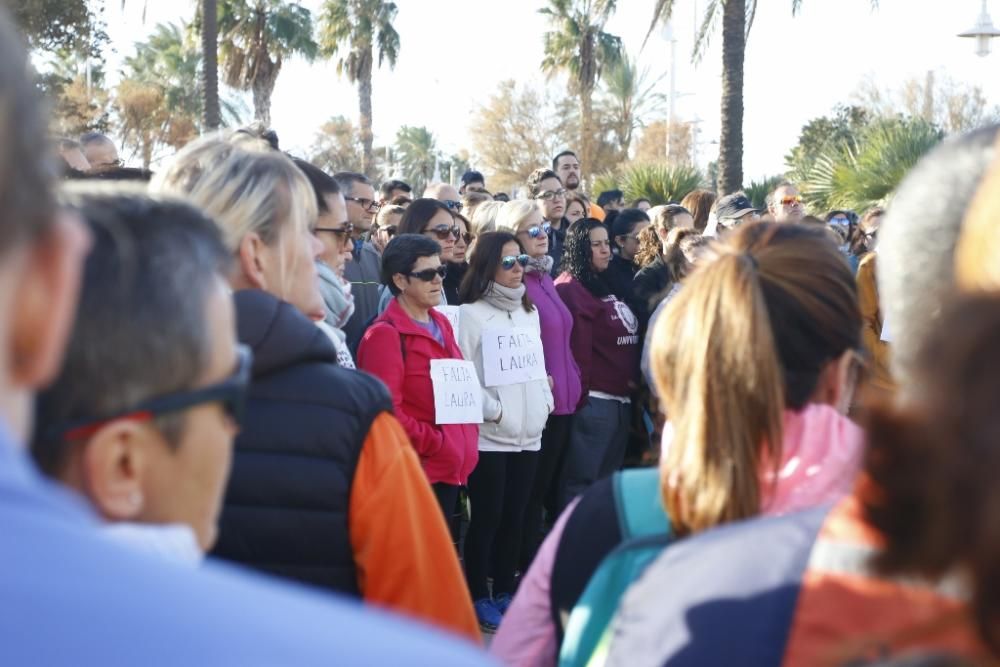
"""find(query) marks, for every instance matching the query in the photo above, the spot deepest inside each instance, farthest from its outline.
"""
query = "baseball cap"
(734, 206)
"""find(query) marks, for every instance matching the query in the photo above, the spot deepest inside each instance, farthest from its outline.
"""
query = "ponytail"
(716, 367)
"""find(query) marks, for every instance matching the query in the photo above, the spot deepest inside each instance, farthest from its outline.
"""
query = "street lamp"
(983, 32)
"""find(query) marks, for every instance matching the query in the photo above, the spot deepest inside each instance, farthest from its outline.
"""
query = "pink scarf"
(820, 458)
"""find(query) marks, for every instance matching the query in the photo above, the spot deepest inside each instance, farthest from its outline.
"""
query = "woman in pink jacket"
(398, 348)
(755, 361)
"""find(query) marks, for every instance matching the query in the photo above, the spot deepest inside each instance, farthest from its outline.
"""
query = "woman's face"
(292, 270)
(386, 231)
(418, 291)
(628, 245)
(509, 256)
(442, 229)
(461, 246)
(600, 249)
(575, 211)
(552, 198)
(537, 245)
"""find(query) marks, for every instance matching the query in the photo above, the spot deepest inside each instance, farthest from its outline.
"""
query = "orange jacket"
(393, 512)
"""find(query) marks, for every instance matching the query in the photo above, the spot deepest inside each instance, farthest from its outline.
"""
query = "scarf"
(541, 264)
(504, 298)
(336, 297)
(820, 459)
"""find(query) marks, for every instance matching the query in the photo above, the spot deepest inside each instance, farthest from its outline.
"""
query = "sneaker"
(502, 603)
(488, 615)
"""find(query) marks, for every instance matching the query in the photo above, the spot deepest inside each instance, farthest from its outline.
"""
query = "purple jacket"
(557, 325)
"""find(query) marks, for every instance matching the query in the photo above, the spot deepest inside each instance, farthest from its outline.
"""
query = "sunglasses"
(538, 230)
(788, 201)
(367, 204)
(453, 205)
(549, 195)
(346, 229)
(508, 261)
(467, 237)
(442, 232)
(229, 393)
(428, 275)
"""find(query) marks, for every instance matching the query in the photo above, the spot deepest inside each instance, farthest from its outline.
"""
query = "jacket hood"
(278, 333)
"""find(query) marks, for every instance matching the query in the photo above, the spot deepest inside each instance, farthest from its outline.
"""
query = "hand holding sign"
(458, 397)
(512, 355)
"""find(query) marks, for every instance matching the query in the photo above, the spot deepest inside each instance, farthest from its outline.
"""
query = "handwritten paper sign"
(451, 312)
(458, 397)
(512, 355)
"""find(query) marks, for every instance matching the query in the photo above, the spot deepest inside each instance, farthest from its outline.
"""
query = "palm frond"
(709, 25)
(663, 10)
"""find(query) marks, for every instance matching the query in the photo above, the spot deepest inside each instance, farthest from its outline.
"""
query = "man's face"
(552, 198)
(102, 156)
(787, 205)
(617, 205)
(334, 218)
(397, 194)
(449, 196)
(475, 186)
(568, 169)
(361, 207)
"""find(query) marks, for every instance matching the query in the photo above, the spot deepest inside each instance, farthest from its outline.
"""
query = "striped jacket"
(791, 590)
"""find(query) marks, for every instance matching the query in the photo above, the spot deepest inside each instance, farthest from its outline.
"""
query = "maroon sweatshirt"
(605, 339)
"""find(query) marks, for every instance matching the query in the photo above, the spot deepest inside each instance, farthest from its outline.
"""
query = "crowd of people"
(256, 413)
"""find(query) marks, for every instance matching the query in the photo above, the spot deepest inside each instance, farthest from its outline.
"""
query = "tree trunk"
(365, 109)
(210, 63)
(586, 133)
(263, 86)
(731, 141)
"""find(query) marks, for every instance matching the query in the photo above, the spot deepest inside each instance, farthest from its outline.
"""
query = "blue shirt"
(72, 596)
(432, 328)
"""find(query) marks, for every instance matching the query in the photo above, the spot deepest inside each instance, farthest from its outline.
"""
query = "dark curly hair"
(577, 255)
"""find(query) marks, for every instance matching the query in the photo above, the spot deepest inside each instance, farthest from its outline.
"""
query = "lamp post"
(982, 32)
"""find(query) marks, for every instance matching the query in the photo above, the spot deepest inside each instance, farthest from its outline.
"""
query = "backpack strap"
(638, 503)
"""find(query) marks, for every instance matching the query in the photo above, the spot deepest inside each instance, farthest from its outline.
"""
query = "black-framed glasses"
(371, 205)
(467, 237)
(452, 205)
(428, 275)
(229, 393)
(342, 231)
(549, 195)
(537, 230)
(508, 261)
(442, 232)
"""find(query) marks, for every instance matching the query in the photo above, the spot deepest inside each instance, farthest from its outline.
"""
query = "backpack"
(645, 530)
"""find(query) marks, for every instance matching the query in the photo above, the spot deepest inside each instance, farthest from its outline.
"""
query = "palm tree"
(418, 155)
(737, 19)
(210, 62)
(579, 46)
(255, 38)
(355, 28)
(628, 99)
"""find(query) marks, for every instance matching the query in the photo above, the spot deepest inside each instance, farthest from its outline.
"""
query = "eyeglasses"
(345, 230)
(788, 201)
(367, 204)
(453, 205)
(467, 237)
(537, 230)
(428, 275)
(442, 232)
(229, 393)
(508, 261)
(549, 195)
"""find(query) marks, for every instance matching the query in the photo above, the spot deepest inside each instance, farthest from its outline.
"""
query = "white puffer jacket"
(523, 408)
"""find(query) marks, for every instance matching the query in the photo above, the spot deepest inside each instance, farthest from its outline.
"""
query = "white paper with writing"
(451, 312)
(512, 355)
(458, 396)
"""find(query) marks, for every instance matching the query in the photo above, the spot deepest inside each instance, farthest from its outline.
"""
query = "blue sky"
(454, 51)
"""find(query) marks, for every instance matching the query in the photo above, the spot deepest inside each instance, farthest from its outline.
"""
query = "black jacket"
(651, 284)
(286, 506)
(453, 281)
(619, 275)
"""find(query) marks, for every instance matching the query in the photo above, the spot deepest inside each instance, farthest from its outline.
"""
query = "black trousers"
(499, 489)
(447, 497)
(542, 502)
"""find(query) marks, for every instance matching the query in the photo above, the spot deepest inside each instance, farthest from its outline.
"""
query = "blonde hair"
(725, 375)
(242, 184)
(484, 219)
(650, 242)
(384, 213)
(977, 254)
(513, 214)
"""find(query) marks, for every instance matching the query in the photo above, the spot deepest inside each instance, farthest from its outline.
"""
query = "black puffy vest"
(286, 506)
